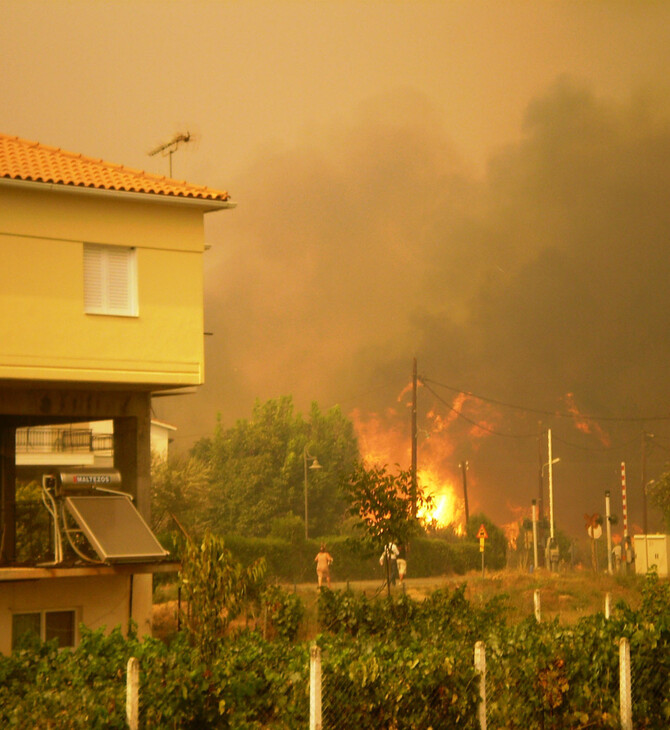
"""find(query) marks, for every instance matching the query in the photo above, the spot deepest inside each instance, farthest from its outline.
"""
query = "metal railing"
(51, 439)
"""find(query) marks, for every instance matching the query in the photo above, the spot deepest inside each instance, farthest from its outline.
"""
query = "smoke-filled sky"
(481, 185)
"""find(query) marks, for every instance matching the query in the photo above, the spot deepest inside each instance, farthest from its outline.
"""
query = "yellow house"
(101, 292)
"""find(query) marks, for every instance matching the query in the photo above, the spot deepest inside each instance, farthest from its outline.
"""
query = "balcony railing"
(50, 439)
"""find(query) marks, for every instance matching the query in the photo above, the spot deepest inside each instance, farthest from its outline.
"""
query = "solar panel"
(115, 529)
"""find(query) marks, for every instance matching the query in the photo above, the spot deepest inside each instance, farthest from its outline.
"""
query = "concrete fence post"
(133, 693)
(608, 605)
(536, 601)
(625, 699)
(314, 687)
(480, 666)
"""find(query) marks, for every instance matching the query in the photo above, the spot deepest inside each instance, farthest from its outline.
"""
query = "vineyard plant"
(387, 663)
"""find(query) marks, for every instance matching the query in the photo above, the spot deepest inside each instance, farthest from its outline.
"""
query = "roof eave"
(206, 204)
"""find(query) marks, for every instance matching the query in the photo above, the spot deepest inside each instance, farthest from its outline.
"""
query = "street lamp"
(551, 494)
(550, 463)
(314, 465)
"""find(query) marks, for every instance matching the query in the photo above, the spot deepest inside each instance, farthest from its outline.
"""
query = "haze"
(482, 186)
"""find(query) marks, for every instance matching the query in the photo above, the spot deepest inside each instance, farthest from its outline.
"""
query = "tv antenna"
(169, 148)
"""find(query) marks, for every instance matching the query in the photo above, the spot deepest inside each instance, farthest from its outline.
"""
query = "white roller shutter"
(110, 280)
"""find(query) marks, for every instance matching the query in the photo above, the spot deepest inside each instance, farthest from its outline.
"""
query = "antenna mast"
(169, 148)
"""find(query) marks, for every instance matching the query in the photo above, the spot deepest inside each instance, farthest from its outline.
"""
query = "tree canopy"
(658, 492)
(257, 469)
(383, 502)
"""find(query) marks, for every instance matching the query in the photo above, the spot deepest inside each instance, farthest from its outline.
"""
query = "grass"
(567, 596)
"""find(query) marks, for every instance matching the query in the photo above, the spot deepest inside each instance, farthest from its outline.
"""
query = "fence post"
(608, 605)
(536, 601)
(625, 700)
(133, 693)
(314, 687)
(480, 666)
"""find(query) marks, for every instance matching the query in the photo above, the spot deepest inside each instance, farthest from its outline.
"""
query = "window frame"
(43, 621)
(110, 280)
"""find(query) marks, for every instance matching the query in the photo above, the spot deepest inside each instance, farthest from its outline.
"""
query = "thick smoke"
(542, 283)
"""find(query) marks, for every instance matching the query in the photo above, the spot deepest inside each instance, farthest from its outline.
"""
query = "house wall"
(44, 332)
(61, 365)
(99, 602)
(160, 439)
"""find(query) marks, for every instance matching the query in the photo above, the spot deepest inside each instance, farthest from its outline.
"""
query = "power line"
(615, 447)
(475, 423)
(557, 414)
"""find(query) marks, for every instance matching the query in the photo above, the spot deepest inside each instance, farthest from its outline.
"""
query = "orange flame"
(583, 424)
(482, 416)
(385, 440)
(447, 508)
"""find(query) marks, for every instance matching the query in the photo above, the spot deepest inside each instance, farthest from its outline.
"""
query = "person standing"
(629, 555)
(390, 557)
(402, 562)
(323, 562)
(616, 555)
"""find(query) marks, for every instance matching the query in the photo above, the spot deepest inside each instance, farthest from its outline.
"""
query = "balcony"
(56, 445)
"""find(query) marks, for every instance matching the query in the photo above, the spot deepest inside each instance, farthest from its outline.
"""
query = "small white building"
(652, 552)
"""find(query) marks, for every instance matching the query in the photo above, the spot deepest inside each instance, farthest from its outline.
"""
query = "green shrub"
(386, 663)
(294, 562)
(284, 611)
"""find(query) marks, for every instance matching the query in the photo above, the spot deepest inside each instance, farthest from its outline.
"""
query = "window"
(110, 280)
(46, 625)
(25, 623)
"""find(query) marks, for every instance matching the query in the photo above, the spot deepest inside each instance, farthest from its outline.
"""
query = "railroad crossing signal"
(483, 536)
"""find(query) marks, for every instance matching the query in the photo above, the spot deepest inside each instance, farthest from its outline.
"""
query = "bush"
(284, 612)
(294, 562)
(386, 663)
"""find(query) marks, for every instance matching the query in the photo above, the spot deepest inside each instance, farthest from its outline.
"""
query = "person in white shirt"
(391, 553)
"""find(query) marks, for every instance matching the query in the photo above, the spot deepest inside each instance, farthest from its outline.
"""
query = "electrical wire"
(539, 411)
(494, 432)
(475, 423)
(614, 447)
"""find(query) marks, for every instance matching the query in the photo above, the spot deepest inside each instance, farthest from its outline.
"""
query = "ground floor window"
(46, 625)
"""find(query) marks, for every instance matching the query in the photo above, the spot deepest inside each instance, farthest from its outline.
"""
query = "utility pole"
(540, 499)
(464, 469)
(535, 556)
(644, 480)
(551, 487)
(414, 444)
(608, 520)
(540, 469)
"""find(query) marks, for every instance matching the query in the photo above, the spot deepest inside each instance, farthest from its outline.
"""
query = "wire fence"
(592, 681)
(502, 702)
(612, 670)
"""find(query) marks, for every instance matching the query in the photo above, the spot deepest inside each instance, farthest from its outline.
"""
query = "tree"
(257, 468)
(216, 587)
(383, 503)
(658, 492)
(496, 544)
(330, 437)
(180, 492)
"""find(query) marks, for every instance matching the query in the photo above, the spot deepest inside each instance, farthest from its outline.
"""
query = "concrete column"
(7, 493)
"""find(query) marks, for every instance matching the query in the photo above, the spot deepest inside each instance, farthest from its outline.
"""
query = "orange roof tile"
(21, 159)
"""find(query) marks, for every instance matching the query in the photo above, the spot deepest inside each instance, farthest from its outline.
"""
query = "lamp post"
(534, 535)
(464, 468)
(314, 465)
(550, 463)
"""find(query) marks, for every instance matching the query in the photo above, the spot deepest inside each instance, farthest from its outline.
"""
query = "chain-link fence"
(607, 670)
(339, 699)
(489, 686)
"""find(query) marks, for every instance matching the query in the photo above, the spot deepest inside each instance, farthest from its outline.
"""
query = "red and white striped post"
(623, 499)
